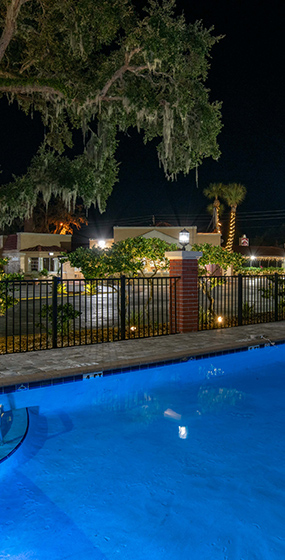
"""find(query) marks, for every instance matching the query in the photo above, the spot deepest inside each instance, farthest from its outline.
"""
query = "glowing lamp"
(102, 243)
(220, 319)
(184, 238)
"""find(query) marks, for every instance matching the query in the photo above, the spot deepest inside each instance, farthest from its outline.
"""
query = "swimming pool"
(176, 462)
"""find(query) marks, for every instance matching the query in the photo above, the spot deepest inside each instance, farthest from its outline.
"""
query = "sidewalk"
(16, 369)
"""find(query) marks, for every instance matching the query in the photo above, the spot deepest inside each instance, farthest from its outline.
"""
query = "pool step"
(14, 426)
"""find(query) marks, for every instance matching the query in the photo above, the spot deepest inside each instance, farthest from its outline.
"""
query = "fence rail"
(42, 314)
(240, 300)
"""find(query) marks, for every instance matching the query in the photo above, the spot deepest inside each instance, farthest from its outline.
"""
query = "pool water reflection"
(176, 462)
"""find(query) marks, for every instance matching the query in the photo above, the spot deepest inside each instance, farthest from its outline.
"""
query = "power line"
(146, 222)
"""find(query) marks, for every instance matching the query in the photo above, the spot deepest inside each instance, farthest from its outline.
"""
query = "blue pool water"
(181, 462)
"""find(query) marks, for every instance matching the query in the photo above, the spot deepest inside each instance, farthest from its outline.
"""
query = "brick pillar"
(183, 310)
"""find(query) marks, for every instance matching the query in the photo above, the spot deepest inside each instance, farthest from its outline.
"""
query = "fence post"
(6, 317)
(54, 311)
(276, 296)
(239, 300)
(123, 307)
(184, 311)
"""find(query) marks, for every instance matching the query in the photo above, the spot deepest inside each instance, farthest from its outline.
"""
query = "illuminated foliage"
(56, 218)
(131, 257)
(214, 191)
(215, 261)
(7, 290)
(233, 194)
(219, 256)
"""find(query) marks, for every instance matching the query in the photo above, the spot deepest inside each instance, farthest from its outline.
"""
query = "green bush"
(206, 317)
(247, 310)
(260, 271)
(65, 316)
(43, 272)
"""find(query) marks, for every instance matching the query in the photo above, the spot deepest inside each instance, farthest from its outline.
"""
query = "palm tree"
(233, 194)
(214, 191)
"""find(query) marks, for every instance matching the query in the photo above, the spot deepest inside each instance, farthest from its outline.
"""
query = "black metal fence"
(240, 300)
(42, 314)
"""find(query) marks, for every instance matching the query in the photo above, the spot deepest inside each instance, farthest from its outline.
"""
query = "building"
(262, 256)
(170, 234)
(30, 253)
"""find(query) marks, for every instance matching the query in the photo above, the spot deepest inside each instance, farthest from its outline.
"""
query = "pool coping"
(116, 366)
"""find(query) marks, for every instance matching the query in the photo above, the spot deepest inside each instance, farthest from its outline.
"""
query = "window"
(33, 263)
(49, 264)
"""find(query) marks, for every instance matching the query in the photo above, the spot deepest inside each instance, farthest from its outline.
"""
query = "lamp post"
(184, 238)
(60, 259)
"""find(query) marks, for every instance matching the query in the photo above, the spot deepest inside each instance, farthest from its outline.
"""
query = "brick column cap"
(183, 255)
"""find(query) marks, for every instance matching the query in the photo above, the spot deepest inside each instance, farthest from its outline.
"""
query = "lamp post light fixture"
(184, 238)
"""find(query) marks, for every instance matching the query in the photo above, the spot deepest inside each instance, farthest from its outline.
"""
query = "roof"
(43, 249)
(159, 235)
(10, 244)
(261, 252)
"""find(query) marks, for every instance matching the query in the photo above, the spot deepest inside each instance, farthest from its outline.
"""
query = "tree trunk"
(10, 24)
(231, 236)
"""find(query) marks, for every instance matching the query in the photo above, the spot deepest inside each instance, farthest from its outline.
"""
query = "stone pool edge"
(80, 372)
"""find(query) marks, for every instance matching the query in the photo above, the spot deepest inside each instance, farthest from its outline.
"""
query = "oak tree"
(103, 67)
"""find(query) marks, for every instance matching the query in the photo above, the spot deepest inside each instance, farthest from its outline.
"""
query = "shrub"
(65, 316)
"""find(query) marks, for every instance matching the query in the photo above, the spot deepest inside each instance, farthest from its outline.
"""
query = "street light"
(184, 238)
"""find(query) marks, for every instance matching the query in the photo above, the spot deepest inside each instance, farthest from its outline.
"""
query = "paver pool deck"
(43, 365)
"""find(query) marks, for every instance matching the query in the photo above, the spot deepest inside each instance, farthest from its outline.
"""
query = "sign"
(244, 241)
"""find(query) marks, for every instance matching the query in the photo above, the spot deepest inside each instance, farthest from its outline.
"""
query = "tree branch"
(29, 90)
(27, 65)
(110, 98)
(121, 71)
(118, 74)
(4, 74)
(137, 69)
(10, 24)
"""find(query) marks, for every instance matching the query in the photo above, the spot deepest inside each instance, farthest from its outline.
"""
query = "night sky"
(247, 75)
